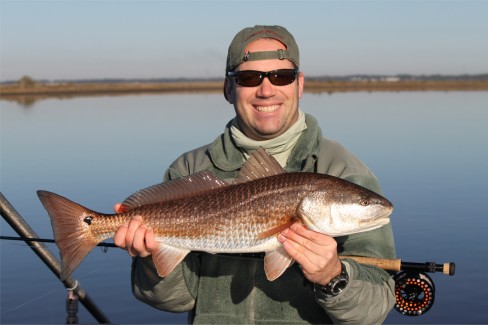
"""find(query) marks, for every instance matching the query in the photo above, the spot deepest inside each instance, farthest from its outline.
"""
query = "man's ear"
(301, 84)
(228, 91)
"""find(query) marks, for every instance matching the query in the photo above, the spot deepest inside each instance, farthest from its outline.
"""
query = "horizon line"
(365, 75)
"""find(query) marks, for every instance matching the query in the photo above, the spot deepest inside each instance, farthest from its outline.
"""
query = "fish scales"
(230, 218)
(202, 213)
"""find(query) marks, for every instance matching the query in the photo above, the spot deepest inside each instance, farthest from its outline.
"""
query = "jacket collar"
(225, 154)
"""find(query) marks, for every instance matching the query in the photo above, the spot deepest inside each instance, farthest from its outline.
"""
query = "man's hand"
(135, 236)
(315, 252)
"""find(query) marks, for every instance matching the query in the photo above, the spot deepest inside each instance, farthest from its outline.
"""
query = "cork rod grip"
(398, 265)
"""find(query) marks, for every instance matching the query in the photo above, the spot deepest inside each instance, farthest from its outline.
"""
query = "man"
(264, 85)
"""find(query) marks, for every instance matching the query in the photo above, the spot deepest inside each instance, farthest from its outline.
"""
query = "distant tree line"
(27, 81)
(403, 77)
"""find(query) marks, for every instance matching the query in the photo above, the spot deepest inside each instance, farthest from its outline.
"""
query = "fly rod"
(17, 223)
(46, 240)
(399, 265)
(383, 263)
(414, 289)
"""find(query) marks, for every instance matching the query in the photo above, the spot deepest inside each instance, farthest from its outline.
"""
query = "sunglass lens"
(282, 77)
(249, 78)
(252, 78)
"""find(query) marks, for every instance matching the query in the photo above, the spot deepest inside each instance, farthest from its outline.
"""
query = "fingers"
(304, 240)
(119, 237)
(136, 237)
(315, 252)
(150, 240)
(118, 207)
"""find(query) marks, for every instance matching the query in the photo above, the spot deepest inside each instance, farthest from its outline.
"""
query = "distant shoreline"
(85, 89)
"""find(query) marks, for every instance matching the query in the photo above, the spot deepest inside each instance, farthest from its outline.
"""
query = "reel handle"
(398, 265)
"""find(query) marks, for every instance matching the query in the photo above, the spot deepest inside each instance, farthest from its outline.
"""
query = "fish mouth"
(381, 218)
(377, 222)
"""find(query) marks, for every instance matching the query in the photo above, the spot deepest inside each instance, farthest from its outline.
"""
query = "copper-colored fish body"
(231, 219)
(202, 213)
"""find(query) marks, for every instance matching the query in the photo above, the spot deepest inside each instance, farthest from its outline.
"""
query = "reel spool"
(414, 293)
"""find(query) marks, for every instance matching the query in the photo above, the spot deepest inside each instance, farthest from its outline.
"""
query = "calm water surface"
(429, 150)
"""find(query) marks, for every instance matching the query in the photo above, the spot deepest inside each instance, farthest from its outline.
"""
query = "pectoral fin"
(276, 262)
(166, 258)
(276, 230)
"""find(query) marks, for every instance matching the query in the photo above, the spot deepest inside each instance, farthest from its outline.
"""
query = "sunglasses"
(252, 78)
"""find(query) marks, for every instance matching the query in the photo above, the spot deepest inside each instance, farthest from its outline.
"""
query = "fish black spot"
(88, 220)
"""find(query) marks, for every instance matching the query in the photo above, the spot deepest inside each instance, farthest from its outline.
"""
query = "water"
(427, 148)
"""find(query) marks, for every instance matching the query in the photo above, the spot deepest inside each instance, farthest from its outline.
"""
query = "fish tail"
(72, 232)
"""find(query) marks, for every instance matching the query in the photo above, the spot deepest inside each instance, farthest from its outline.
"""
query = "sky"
(189, 39)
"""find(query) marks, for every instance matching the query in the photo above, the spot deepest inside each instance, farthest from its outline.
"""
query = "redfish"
(203, 213)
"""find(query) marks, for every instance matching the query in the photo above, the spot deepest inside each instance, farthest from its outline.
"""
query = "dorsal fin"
(176, 189)
(260, 164)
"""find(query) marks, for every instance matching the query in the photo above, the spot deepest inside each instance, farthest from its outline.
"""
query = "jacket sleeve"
(370, 293)
(169, 293)
(363, 301)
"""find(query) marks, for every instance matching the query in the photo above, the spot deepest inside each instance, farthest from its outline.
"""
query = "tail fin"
(71, 226)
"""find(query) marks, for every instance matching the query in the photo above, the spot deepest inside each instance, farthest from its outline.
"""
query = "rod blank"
(383, 263)
(46, 240)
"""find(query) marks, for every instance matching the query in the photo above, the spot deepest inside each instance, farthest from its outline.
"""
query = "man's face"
(265, 111)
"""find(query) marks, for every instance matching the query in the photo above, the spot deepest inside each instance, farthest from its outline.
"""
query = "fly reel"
(414, 293)
(414, 289)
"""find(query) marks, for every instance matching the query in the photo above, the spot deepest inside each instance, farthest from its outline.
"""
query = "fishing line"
(28, 302)
(103, 246)
(101, 266)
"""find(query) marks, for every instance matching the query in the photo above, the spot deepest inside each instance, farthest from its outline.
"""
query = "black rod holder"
(14, 219)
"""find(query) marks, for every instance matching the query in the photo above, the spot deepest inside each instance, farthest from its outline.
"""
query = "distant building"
(391, 79)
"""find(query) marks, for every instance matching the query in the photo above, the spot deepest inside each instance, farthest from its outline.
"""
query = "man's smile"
(267, 109)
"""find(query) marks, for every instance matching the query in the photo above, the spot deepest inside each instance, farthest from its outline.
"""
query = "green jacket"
(234, 290)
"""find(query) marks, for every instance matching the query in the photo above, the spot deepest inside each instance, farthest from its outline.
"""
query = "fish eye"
(88, 220)
(364, 202)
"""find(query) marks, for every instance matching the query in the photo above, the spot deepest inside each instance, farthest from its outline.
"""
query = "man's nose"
(266, 89)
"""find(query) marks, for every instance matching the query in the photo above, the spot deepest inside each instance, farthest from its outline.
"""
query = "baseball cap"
(236, 54)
